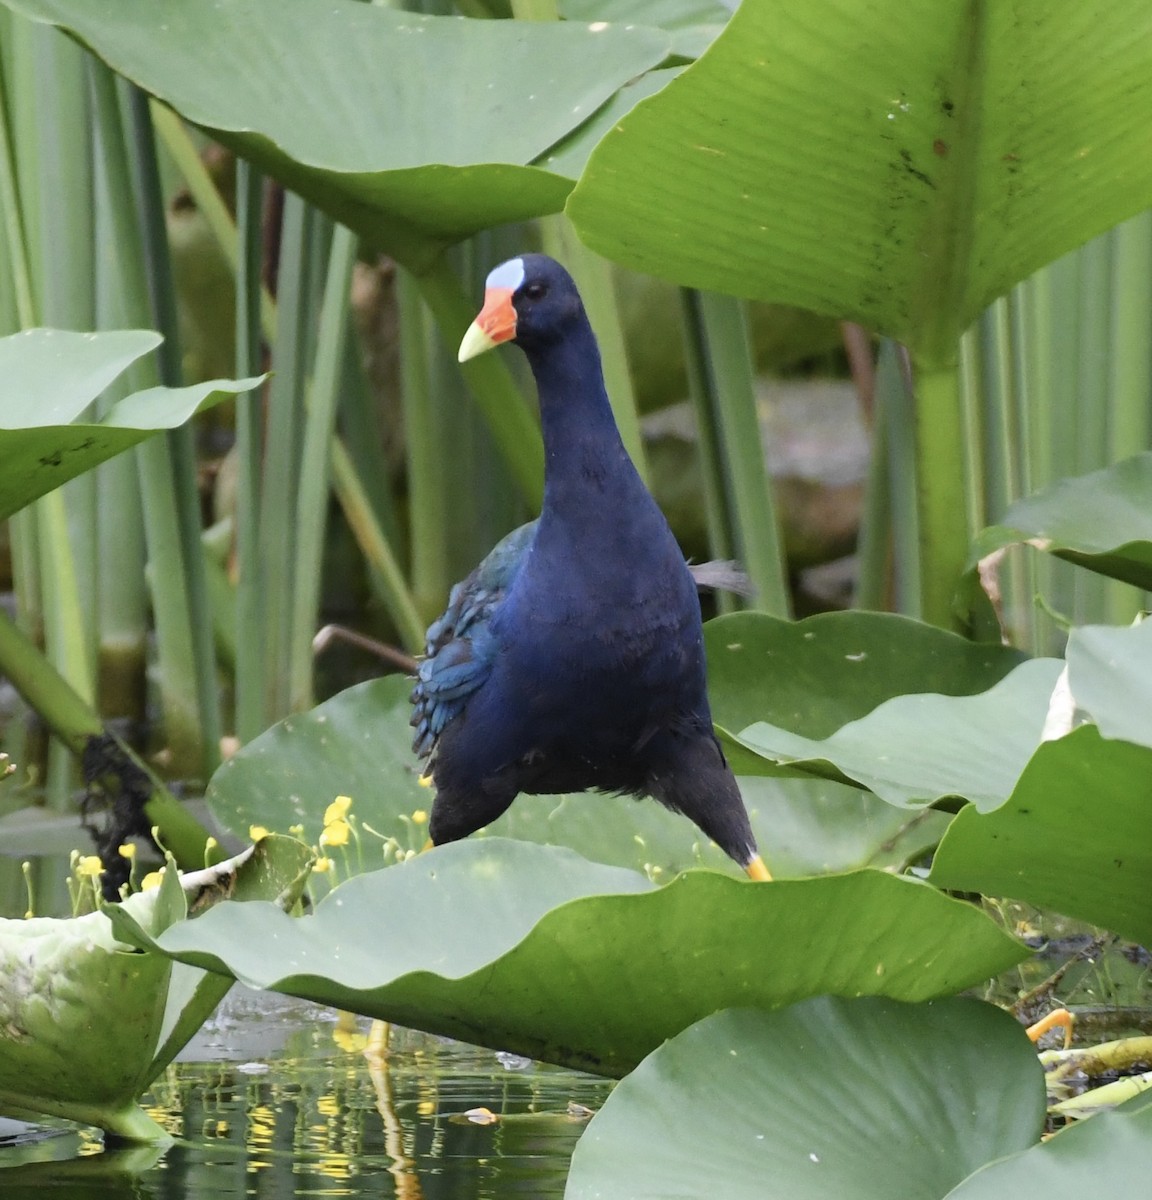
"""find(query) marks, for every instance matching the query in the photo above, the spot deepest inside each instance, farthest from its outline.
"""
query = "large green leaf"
(357, 744)
(1075, 836)
(915, 749)
(814, 676)
(1110, 678)
(48, 377)
(532, 949)
(414, 131)
(866, 1099)
(898, 162)
(1102, 521)
(88, 1022)
(1109, 1155)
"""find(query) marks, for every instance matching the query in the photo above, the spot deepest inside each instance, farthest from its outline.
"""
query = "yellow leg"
(1057, 1018)
(758, 871)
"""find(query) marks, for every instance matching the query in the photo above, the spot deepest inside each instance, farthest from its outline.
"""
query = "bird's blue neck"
(584, 456)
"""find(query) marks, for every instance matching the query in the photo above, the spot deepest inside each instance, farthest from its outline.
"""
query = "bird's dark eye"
(535, 291)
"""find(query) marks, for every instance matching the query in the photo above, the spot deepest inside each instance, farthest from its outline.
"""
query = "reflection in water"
(275, 1098)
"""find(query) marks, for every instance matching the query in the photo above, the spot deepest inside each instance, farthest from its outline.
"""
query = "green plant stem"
(512, 423)
(210, 203)
(76, 724)
(874, 545)
(281, 467)
(719, 340)
(18, 267)
(716, 510)
(1131, 358)
(312, 497)
(387, 577)
(252, 715)
(427, 468)
(172, 507)
(894, 402)
(941, 502)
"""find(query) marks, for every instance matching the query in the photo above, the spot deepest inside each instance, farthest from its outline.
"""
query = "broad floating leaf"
(915, 749)
(813, 676)
(88, 1022)
(414, 131)
(1108, 1155)
(867, 1098)
(1075, 836)
(534, 950)
(898, 163)
(1101, 521)
(1110, 677)
(48, 377)
(358, 744)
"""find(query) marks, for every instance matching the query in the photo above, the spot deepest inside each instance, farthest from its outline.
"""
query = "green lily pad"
(414, 131)
(88, 1022)
(1101, 521)
(916, 749)
(48, 377)
(867, 1098)
(897, 163)
(1075, 836)
(1109, 1155)
(357, 744)
(813, 676)
(535, 950)
(1110, 677)
(694, 24)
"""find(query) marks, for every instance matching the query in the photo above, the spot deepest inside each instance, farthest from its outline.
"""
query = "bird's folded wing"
(460, 647)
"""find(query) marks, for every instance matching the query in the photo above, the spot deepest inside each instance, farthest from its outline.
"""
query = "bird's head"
(530, 300)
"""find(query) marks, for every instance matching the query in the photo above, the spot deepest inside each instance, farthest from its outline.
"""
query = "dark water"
(274, 1098)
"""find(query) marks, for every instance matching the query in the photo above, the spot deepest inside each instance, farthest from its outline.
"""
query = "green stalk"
(512, 423)
(941, 503)
(252, 714)
(387, 577)
(874, 545)
(312, 497)
(281, 478)
(209, 202)
(725, 355)
(593, 276)
(1130, 361)
(895, 400)
(1130, 365)
(168, 477)
(718, 516)
(429, 510)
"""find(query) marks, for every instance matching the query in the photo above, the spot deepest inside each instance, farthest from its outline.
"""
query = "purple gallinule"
(572, 658)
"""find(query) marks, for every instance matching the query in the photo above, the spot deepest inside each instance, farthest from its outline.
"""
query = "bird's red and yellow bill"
(495, 324)
(758, 871)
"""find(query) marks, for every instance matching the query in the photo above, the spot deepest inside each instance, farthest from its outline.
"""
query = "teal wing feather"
(460, 646)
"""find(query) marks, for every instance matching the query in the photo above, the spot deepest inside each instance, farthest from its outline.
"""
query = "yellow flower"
(257, 833)
(419, 817)
(335, 834)
(128, 850)
(151, 880)
(89, 866)
(337, 810)
(322, 865)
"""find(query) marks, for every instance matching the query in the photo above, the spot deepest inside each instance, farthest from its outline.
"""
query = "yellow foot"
(1057, 1018)
(758, 871)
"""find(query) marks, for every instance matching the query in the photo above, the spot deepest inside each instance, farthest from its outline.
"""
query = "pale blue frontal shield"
(508, 275)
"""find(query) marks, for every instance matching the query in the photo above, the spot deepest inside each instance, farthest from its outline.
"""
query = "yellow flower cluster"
(337, 831)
